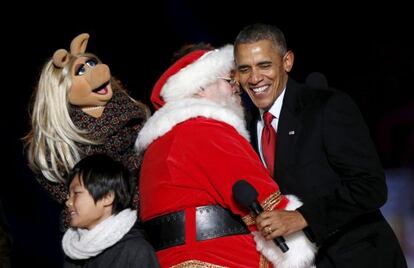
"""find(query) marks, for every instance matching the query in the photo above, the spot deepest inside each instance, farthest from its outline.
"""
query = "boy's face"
(83, 211)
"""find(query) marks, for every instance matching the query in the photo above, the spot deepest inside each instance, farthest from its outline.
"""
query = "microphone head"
(244, 193)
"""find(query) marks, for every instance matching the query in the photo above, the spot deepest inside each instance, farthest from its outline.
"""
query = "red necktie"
(269, 142)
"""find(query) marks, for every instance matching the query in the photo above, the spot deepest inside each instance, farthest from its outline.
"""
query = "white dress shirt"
(275, 111)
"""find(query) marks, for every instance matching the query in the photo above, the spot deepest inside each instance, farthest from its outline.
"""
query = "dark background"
(366, 52)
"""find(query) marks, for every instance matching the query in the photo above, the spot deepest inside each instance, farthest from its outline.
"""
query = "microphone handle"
(256, 208)
(280, 241)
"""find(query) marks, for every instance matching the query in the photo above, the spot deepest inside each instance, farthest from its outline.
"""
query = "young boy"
(104, 230)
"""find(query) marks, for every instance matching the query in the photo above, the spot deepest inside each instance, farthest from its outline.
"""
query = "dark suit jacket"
(325, 156)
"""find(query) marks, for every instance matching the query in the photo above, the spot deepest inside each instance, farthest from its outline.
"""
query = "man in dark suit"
(323, 155)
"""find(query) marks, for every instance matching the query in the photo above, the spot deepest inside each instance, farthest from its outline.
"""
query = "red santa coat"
(195, 151)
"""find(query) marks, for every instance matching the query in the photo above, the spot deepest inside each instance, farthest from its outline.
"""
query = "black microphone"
(246, 196)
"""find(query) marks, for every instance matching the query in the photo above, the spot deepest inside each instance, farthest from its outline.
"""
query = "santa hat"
(190, 73)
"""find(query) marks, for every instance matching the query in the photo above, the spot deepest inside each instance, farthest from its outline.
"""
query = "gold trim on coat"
(268, 204)
(196, 264)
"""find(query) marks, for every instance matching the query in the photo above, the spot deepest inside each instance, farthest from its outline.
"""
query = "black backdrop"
(367, 53)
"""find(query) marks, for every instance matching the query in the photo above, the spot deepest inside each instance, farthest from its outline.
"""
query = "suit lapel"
(288, 131)
(289, 128)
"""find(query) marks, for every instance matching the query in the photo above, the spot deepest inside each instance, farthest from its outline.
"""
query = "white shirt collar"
(276, 107)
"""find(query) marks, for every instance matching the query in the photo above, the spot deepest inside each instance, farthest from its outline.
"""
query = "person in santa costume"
(196, 147)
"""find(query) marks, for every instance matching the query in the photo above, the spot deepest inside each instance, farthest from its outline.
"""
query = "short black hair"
(258, 31)
(101, 175)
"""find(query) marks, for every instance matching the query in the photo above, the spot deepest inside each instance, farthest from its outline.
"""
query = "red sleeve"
(218, 156)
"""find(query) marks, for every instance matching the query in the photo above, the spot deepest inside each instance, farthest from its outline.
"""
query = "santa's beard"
(233, 103)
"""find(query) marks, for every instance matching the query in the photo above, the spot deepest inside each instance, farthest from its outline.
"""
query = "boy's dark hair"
(101, 175)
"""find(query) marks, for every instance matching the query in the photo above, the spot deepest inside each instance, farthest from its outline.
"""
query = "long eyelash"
(95, 60)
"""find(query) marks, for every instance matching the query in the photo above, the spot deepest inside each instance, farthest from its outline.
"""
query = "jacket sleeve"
(351, 155)
(218, 157)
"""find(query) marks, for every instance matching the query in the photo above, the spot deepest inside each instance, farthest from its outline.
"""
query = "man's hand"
(279, 223)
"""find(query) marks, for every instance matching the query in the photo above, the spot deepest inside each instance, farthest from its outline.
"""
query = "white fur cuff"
(301, 253)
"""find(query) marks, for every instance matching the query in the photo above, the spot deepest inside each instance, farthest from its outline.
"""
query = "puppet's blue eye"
(91, 62)
(81, 70)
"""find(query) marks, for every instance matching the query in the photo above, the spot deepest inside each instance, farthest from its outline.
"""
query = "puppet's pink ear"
(79, 44)
(60, 58)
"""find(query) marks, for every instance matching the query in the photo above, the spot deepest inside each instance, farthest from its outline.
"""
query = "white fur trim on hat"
(200, 73)
(175, 112)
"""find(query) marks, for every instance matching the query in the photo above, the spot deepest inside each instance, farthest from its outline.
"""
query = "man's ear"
(288, 60)
(108, 199)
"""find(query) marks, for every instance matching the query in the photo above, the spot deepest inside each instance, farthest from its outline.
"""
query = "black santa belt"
(211, 222)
